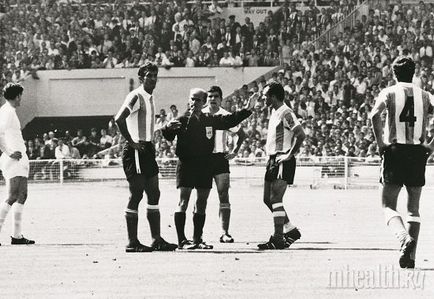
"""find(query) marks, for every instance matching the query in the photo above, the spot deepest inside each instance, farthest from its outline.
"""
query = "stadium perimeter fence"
(316, 172)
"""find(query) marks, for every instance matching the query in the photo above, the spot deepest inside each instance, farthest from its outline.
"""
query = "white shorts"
(12, 168)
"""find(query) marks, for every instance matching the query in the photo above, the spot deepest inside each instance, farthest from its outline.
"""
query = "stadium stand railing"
(312, 172)
(348, 21)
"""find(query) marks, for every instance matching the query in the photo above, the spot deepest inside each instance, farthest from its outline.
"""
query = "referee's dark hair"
(276, 89)
(216, 89)
(12, 90)
(147, 67)
(403, 68)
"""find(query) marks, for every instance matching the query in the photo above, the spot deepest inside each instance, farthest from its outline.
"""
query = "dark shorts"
(195, 173)
(283, 171)
(404, 164)
(219, 164)
(139, 163)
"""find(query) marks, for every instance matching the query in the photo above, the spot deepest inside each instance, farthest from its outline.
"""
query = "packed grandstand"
(331, 83)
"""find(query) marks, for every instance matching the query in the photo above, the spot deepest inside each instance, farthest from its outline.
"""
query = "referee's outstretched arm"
(224, 122)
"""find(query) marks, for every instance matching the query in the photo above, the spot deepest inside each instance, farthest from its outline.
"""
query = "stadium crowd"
(330, 86)
(46, 35)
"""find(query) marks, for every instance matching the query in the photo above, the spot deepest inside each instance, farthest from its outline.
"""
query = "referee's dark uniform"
(195, 145)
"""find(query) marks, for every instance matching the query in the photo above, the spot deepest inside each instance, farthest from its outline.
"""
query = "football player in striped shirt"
(401, 143)
(285, 136)
(135, 120)
(220, 159)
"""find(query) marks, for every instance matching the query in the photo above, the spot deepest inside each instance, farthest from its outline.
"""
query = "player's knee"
(413, 215)
(267, 201)
(136, 196)
(182, 206)
(154, 198)
(224, 196)
(22, 196)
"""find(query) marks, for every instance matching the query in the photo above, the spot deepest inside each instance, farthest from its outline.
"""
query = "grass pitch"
(80, 234)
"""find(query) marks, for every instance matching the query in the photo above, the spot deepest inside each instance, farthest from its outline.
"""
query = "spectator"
(105, 141)
(62, 150)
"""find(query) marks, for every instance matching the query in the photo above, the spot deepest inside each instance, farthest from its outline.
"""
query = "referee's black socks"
(131, 216)
(198, 222)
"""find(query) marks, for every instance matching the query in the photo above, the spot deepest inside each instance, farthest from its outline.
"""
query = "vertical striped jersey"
(141, 121)
(221, 136)
(280, 130)
(407, 110)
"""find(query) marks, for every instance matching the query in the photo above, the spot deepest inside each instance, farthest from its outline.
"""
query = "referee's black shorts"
(404, 164)
(194, 173)
(219, 164)
(139, 162)
(282, 171)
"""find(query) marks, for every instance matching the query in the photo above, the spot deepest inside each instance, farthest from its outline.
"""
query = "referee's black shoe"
(163, 245)
(21, 241)
(138, 247)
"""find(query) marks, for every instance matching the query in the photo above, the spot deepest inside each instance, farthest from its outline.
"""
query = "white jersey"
(141, 121)
(221, 136)
(407, 109)
(280, 130)
(11, 139)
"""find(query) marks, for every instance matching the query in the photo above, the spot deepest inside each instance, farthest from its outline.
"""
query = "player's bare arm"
(120, 120)
(16, 155)
(241, 136)
(299, 137)
(377, 124)
(224, 122)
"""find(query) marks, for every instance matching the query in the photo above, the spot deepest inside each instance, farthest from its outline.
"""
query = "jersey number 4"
(407, 113)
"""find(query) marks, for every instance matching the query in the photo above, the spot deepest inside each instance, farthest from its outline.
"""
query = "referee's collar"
(406, 84)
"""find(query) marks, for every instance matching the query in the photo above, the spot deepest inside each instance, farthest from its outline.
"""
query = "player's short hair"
(12, 90)
(216, 89)
(147, 67)
(403, 68)
(276, 89)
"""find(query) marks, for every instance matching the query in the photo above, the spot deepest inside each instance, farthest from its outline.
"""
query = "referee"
(195, 131)
(135, 120)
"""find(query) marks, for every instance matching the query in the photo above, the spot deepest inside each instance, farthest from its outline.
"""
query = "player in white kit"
(14, 162)
(402, 147)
